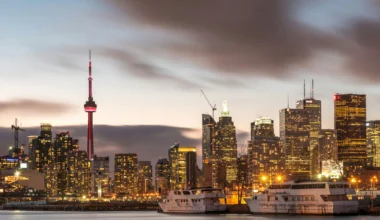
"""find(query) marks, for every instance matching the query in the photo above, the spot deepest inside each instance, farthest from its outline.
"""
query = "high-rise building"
(182, 161)
(126, 173)
(39, 149)
(145, 177)
(78, 172)
(294, 135)
(373, 143)
(100, 175)
(90, 107)
(242, 174)
(226, 150)
(327, 143)
(208, 148)
(350, 124)
(162, 176)
(265, 154)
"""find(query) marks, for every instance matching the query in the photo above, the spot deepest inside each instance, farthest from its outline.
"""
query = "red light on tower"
(335, 97)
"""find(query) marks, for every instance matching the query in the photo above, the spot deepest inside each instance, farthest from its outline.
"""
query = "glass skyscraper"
(373, 143)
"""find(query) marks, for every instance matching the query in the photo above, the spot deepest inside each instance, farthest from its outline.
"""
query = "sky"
(151, 58)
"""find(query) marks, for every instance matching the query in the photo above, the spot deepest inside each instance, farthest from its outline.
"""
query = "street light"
(279, 178)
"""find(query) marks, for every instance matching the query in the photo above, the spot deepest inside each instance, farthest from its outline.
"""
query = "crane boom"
(213, 107)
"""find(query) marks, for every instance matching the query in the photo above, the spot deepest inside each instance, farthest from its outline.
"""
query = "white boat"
(316, 198)
(200, 200)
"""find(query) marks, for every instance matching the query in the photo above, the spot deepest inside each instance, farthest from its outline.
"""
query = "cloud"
(33, 107)
(260, 38)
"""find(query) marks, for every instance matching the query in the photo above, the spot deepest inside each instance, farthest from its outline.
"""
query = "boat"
(194, 200)
(304, 197)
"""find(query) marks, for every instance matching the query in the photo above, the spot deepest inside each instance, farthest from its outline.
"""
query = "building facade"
(182, 161)
(373, 143)
(39, 149)
(208, 148)
(350, 124)
(100, 175)
(295, 138)
(78, 179)
(126, 173)
(162, 176)
(145, 177)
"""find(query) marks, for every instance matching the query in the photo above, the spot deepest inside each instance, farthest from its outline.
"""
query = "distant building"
(162, 176)
(226, 150)
(350, 124)
(78, 179)
(100, 176)
(182, 161)
(145, 177)
(373, 143)
(39, 149)
(8, 162)
(294, 135)
(126, 173)
(208, 148)
(242, 173)
(265, 154)
(327, 150)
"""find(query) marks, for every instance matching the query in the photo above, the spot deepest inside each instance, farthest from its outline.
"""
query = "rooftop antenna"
(288, 100)
(304, 89)
(312, 88)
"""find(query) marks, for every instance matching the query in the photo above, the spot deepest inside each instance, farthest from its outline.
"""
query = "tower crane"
(16, 128)
(213, 107)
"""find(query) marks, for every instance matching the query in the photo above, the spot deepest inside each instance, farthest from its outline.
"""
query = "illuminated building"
(78, 172)
(327, 143)
(162, 176)
(265, 154)
(350, 124)
(208, 148)
(373, 143)
(294, 136)
(145, 176)
(242, 173)
(39, 149)
(126, 173)
(182, 166)
(100, 173)
(90, 107)
(8, 162)
(226, 150)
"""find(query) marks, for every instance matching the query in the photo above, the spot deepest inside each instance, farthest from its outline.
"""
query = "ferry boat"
(195, 200)
(316, 198)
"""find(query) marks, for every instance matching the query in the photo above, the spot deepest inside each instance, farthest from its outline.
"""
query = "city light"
(264, 178)
(17, 174)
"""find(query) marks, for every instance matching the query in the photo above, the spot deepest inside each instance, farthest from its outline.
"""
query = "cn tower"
(90, 107)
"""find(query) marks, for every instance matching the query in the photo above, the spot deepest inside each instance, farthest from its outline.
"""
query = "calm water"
(148, 215)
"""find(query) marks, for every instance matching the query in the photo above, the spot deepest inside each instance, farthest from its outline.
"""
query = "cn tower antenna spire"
(89, 75)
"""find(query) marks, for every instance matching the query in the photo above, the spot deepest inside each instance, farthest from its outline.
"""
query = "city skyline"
(54, 76)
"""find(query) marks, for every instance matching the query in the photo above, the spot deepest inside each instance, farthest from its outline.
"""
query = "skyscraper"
(39, 149)
(145, 177)
(294, 136)
(208, 148)
(350, 124)
(226, 150)
(100, 173)
(90, 108)
(265, 154)
(162, 176)
(182, 161)
(78, 172)
(126, 173)
(327, 143)
(373, 143)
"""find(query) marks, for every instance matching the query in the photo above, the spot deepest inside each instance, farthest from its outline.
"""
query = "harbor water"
(148, 215)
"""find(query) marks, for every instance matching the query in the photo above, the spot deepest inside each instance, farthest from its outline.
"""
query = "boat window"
(309, 186)
(276, 198)
(298, 198)
(285, 199)
(193, 192)
(312, 198)
(306, 198)
(255, 197)
(186, 192)
(177, 192)
(279, 187)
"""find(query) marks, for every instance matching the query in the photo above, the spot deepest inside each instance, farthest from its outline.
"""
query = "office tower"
(100, 173)
(57, 169)
(162, 176)
(294, 136)
(265, 154)
(78, 171)
(39, 149)
(90, 107)
(182, 161)
(126, 173)
(327, 143)
(350, 125)
(373, 143)
(145, 177)
(226, 150)
(208, 148)
(242, 174)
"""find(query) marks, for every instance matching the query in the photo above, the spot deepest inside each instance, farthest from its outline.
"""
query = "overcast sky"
(151, 58)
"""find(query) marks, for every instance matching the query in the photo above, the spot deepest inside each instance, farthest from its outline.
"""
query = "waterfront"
(145, 215)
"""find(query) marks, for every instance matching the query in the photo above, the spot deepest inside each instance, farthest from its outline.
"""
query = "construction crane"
(213, 107)
(16, 128)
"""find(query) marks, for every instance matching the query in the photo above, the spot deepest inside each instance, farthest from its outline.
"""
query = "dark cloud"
(258, 37)
(33, 107)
